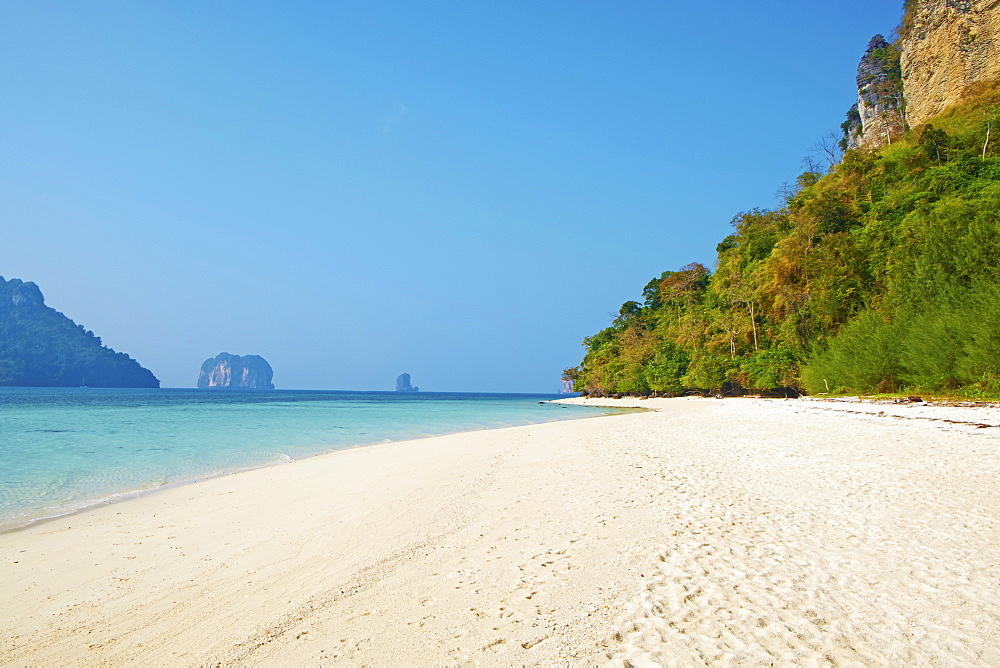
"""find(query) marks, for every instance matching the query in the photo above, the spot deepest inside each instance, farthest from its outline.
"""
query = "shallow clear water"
(62, 449)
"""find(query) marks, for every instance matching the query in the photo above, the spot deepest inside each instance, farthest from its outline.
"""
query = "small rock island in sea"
(403, 384)
(233, 372)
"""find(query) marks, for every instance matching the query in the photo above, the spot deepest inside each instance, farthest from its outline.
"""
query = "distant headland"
(41, 347)
(233, 372)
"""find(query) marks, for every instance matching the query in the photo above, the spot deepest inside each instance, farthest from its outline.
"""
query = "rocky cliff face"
(225, 371)
(24, 294)
(877, 117)
(947, 46)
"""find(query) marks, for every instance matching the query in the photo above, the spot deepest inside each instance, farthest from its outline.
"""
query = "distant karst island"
(403, 384)
(41, 347)
(233, 372)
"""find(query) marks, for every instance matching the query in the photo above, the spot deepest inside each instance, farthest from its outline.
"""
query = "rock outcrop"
(948, 45)
(945, 47)
(403, 384)
(877, 117)
(233, 372)
(41, 347)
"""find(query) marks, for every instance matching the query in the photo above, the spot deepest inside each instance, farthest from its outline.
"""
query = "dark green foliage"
(628, 312)
(756, 233)
(666, 368)
(887, 59)
(769, 369)
(831, 212)
(864, 357)
(728, 243)
(880, 276)
(709, 372)
(978, 368)
(40, 347)
(935, 143)
(851, 127)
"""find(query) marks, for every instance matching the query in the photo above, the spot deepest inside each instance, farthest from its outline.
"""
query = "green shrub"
(862, 358)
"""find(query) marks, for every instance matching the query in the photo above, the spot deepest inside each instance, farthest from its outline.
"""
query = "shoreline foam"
(704, 531)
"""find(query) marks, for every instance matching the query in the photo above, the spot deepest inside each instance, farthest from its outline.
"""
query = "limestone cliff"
(225, 371)
(877, 117)
(947, 45)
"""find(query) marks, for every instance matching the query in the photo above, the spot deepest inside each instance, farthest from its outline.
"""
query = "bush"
(663, 373)
(770, 369)
(863, 357)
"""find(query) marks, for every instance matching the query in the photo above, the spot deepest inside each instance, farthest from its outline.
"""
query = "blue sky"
(458, 190)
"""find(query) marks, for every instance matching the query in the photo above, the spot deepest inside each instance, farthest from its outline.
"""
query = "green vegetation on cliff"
(880, 276)
(41, 347)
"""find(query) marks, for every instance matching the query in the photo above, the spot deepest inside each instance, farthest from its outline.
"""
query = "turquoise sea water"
(62, 449)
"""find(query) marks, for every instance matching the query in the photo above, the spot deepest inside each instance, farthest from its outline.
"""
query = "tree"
(827, 149)
(878, 275)
(935, 143)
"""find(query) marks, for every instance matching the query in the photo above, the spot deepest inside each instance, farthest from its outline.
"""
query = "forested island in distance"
(880, 272)
(41, 347)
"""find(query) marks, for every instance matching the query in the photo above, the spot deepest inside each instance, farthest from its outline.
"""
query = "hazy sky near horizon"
(458, 190)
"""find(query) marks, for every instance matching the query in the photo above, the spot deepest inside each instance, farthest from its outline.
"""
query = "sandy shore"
(737, 531)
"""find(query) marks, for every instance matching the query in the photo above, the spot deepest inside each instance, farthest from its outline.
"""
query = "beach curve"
(704, 531)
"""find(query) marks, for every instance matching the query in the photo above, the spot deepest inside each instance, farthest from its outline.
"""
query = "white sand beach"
(733, 532)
